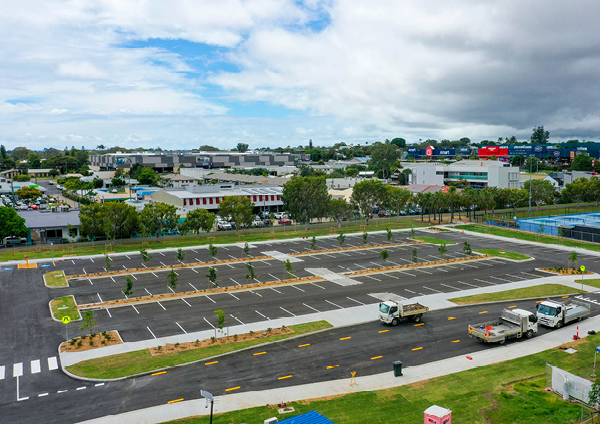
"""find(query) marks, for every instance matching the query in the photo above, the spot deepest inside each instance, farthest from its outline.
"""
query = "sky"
(179, 74)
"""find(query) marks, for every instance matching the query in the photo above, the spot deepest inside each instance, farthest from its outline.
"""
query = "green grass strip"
(524, 293)
(594, 282)
(434, 240)
(503, 254)
(517, 385)
(140, 361)
(64, 307)
(56, 279)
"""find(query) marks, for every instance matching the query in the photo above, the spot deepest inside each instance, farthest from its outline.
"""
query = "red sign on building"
(492, 151)
(429, 151)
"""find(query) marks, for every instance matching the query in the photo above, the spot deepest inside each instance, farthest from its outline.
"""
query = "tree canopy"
(305, 198)
(384, 157)
(11, 224)
(199, 220)
(539, 135)
(582, 162)
(239, 209)
(156, 218)
(366, 195)
(28, 193)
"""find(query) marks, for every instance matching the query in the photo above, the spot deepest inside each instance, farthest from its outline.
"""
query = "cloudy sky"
(183, 73)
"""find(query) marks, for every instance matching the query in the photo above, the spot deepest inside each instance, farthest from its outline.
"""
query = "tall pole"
(212, 402)
(530, 163)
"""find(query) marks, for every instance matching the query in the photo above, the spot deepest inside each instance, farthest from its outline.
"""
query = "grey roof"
(178, 177)
(37, 219)
(248, 179)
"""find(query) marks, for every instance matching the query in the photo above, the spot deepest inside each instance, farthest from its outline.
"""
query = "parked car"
(280, 215)
(382, 213)
(50, 182)
(223, 225)
(285, 221)
(258, 223)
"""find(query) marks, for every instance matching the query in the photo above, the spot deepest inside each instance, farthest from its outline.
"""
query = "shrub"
(73, 341)
(177, 344)
(213, 338)
(91, 342)
(269, 329)
(103, 342)
(79, 343)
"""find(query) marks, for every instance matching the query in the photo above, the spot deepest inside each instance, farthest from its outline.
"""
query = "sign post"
(66, 320)
(582, 269)
(209, 398)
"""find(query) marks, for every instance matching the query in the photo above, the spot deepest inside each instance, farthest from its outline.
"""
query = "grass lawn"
(595, 282)
(56, 279)
(272, 233)
(64, 306)
(503, 254)
(139, 361)
(434, 240)
(517, 385)
(524, 293)
(522, 235)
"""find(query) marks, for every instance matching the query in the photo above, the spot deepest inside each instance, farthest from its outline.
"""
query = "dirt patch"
(172, 348)
(107, 338)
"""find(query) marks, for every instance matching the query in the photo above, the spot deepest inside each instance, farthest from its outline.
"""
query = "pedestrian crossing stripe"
(35, 367)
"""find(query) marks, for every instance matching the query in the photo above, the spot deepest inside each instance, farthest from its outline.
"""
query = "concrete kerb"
(56, 319)
(56, 287)
(314, 391)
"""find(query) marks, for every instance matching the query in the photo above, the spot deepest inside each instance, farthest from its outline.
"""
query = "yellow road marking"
(233, 388)
(418, 348)
(513, 306)
(282, 378)
(176, 400)
(210, 363)
(304, 345)
(259, 353)
(331, 366)
(158, 373)
(564, 297)
(345, 338)
(416, 325)
(539, 301)
(376, 357)
(455, 341)
(384, 331)
(483, 312)
(449, 318)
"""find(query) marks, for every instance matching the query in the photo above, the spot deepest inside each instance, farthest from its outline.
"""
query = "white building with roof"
(264, 196)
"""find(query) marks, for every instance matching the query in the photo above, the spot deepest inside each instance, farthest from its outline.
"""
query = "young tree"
(388, 234)
(158, 217)
(199, 220)
(442, 249)
(212, 276)
(107, 262)
(246, 249)
(239, 209)
(341, 239)
(365, 236)
(572, 258)
(250, 275)
(467, 248)
(384, 255)
(313, 243)
(180, 255)
(172, 279)
(145, 256)
(11, 224)
(129, 286)
(339, 210)
(366, 195)
(212, 251)
(220, 319)
(540, 230)
(88, 322)
(415, 255)
(305, 198)
(288, 268)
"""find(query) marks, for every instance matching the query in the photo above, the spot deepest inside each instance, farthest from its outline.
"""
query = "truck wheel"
(395, 321)
(417, 318)
(559, 324)
(529, 334)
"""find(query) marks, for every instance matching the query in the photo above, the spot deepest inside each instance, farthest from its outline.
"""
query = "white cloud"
(80, 70)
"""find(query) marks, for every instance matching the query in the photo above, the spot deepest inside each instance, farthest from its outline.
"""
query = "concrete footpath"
(350, 316)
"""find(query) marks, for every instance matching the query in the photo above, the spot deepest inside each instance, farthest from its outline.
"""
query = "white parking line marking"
(277, 279)
(452, 287)
(257, 280)
(160, 304)
(154, 274)
(99, 384)
(315, 257)
(297, 288)
(516, 276)
(194, 269)
(223, 247)
(531, 275)
(99, 297)
(84, 271)
(210, 299)
(90, 281)
(109, 314)
(259, 295)
(127, 256)
(151, 332)
(391, 275)
(295, 251)
(407, 273)
(437, 291)
(360, 266)
(410, 291)
(144, 265)
(169, 287)
(62, 391)
(208, 322)
(74, 261)
(359, 253)
(113, 280)
(161, 253)
(376, 264)
(235, 281)
(135, 309)
(421, 270)
(501, 279)
(237, 319)
(147, 291)
(2, 372)
(81, 388)
(354, 300)
(233, 257)
(198, 260)
(162, 263)
(483, 281)
(287, 311)
(133, 275)
(327, 254)
(193, 286)
(43, 394)
(229, 265)
(264, 316)
(186, 302)
(316, 310)
(194, 251)
(334, 304)
(468, 284)
(321, 287)
(92, 260)
(372, 278)
(275, 290)
(52, 363)
(234, 296)
(179, 325)
(125, 267)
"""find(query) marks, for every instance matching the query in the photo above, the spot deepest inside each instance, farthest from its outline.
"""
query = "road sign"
(66, 320)
(582, 268)
(207, 395)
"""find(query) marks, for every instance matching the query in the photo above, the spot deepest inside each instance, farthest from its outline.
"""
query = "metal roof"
(312, 417)
(437, 411)
(37, 219)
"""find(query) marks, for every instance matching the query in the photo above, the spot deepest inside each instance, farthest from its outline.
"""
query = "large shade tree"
(11, 224)
(305, 198)
(239, 209)
(156, 218)
(366, 195)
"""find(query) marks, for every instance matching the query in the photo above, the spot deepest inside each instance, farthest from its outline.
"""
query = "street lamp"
(52, 250)
(209, 398)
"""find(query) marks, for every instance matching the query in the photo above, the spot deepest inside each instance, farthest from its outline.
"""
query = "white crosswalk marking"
(52, 363)
(2, 372)
(35, 366)
(18, 369)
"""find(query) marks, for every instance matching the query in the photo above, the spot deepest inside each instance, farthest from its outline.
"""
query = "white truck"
(512, 324)
(392, 312)
(556, 314)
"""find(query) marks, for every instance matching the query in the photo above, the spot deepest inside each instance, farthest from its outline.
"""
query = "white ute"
(391, 312)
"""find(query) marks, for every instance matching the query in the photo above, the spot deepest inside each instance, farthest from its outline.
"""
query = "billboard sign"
(444, 152)
(429, 151)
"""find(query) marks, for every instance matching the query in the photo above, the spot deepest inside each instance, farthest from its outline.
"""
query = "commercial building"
(168, 162)
(47, 226)
(264, 196)
(478, 174)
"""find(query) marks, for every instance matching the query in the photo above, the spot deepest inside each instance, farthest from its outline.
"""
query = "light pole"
(530, 165)
(209, 398)
(52, 250)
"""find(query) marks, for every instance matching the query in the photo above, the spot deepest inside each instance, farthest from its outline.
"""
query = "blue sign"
(444, 152)
(9, 269)
(539, 149)
(556, 153)
(44, 265)
(521, 149)
(464, 149)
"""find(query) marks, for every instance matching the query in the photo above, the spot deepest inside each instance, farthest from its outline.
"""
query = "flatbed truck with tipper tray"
(512, 324)
(392, 312)
(555, 314)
